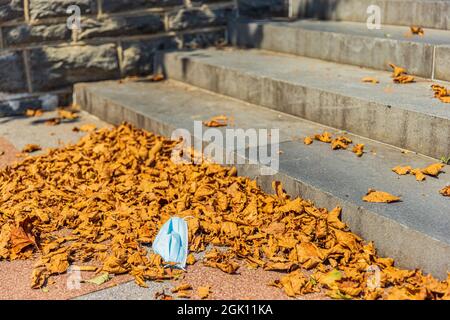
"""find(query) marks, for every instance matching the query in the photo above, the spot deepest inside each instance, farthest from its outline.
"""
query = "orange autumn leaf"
(217, 121)
(29, 148)
(370, 80)
(397, 71)
(324, 137)
(402, 170)
(20, 240)
(417, 30)
(358, 149)
(340, 143)
(434, 169)
(308, 141)
(34, 112)
(419, 174)
(204, 292)
(445, 191)
(380, 197)
(404, 79)
(88, 127)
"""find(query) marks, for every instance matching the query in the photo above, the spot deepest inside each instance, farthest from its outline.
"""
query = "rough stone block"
(138, 56)
(203, 39)
(118, 26)
(198, 17)
(11, 10)
(263, 8)
(12, 72)
(58, 67)
(110, 6)
(26, 34)
(40, 9)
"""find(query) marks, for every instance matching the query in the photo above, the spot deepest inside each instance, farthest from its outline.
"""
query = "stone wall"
(41, 58)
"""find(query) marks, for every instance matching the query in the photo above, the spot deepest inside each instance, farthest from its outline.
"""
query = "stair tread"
(327, 76)
(401, 33)
(339, 173)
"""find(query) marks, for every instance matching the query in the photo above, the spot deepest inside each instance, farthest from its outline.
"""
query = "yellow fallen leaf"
(324, 137)
(433, 170)
(397, 71)
(445, 191)
(308, 141)
(370, 80)
(217, 121)
(204, 292)
(340, 143)
(402, 170)
(182, 287)
(358, 149)
(88, 127)
(417, 30)
(404, 79)
(419, 174)
(29, 148)
(380, 197)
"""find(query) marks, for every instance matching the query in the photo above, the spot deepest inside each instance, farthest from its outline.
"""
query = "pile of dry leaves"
(98, 202)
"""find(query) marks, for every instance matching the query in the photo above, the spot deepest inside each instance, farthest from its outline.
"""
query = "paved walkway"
(15, 133)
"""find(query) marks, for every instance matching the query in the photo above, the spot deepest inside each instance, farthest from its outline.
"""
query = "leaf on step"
(67, 114)
(308, 141)
(419, 174)
(417, 30)
(380, 197)
(324, 137)
(340, 143)
(433, 170)
(358, 149)
(402, 170)
(397, 71)
(370, 80)
(99, 280)
(217, 121)
(445, 191)
(88, 127)
(34, 112)
(404, 79)
(400, 74)
(29, 148)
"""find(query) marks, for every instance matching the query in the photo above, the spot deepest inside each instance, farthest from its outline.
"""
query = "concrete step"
(352, 43)
(414, 231)
(425, 13)
(403, 115)
(16, 104)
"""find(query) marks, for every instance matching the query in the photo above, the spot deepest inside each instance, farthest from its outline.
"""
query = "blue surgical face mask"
(171, 243)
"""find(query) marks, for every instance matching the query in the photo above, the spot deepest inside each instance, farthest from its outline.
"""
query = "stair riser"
(428, 14)
(398, 127)
(362, 51)
(410, 248)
